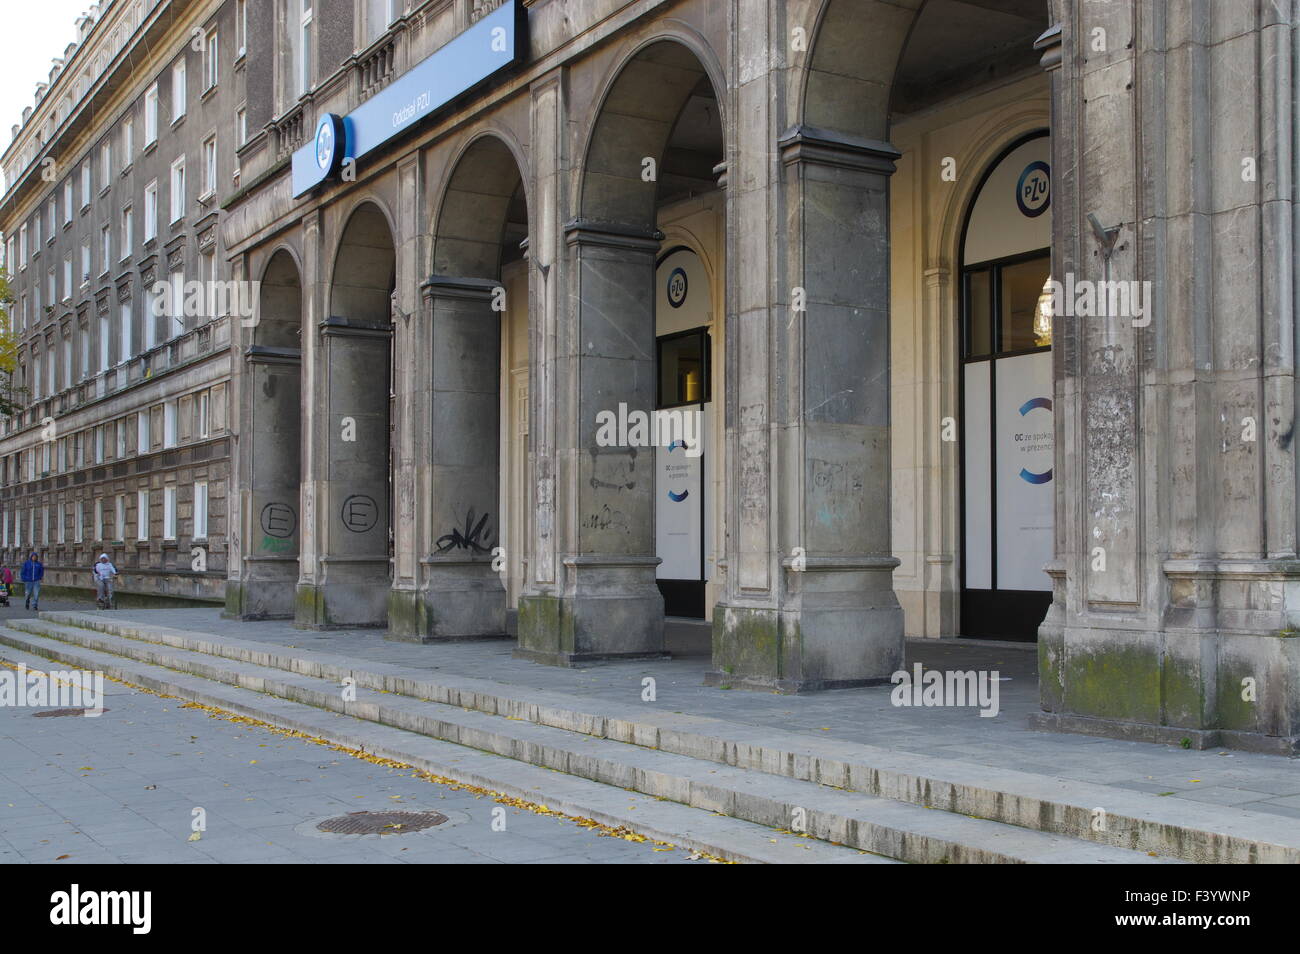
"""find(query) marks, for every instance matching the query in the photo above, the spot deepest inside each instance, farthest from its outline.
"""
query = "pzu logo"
(1034, 189)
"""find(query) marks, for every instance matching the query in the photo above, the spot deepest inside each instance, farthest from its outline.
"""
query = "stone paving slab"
(859, 716)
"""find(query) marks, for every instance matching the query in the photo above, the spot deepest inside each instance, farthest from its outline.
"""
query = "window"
(67, 359)
(204, 415)
(151, 211)
(105, 164)
(99, 444)
(63, 523)
(67, 202)
(241, 27)
(22, 246)
(85, 356)
(85, 263)
(169, 513)
(51, 365)
(210, 165)
(301, 44)
(200, 511)
(210, 62)
(9, 253)
(178, 189)
(176, 320)
(142, 515)
(121, 438)
(119, 523)
(45, 525)
(126, 330)
(53, 283)
(79, 520)
(142, 432)
(23, 316)
(178, 89)
(106, 246)
(85, 185)
(67, 277)
(151, 115)
(169, 424)
(104, 340)
(127, 223)
(128, 140)
(36, 234)
(379, 14)
(53, 209)
(99, 518)
(241, 126)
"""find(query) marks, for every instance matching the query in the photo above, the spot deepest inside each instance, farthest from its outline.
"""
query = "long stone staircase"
(728, 789)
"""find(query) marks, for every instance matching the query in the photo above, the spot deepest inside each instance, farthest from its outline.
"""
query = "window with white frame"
(142, 433)
(178, 189)
(142, 515)
(204, 415)
(126, 329)
(201, 510)
(85, 184)
(169, 512)
(105, 164)
(128, 141)
(99, 519)
(99, 444)
(105, 340)
(53, 283)
(379, 14)
(151, 115)
(79, 520)
(211, 62)
(128, 222)
(121, 438)
(45, 525)
(178, 89)
(210, 165)
(151, 210)
(241, 126)
(301, 45)
(53, 209)
(22, 245)
(67, 277)
(67, 358)
(169, 424)
(241, 27)
(63, 523)
(85, 262)
(119, 524)
(106, 247)
(67, 201)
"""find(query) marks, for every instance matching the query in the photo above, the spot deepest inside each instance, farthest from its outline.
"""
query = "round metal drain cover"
(380, 823)
(53, 713)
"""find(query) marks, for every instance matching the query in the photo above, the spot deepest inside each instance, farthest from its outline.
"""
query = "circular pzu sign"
(1034, 189)
(677, 287)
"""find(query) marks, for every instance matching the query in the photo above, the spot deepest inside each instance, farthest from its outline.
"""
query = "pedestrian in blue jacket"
(33, 573)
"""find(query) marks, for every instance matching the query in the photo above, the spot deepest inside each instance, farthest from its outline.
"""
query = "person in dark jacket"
(33, 573)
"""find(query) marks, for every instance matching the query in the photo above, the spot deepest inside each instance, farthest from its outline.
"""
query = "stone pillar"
(460, 594)
(608, 604)
(1177, 603)
(819, 432)
(352, 576)
(269, 470)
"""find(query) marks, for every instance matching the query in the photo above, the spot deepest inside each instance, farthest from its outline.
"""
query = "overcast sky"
(36, 31)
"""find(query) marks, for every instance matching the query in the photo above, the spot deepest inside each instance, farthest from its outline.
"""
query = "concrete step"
(1137, 821)
(883, 826)
(731, 839)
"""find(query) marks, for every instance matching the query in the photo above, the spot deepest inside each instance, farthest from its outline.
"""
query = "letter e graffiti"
(648, 689)
(349, 434)
(1248, 689)
(498, 819)
(349, 687)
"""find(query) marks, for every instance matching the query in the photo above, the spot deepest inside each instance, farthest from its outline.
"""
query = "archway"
(353, 493)
(271, 452)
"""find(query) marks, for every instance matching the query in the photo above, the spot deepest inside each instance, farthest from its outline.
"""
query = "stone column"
(460, 594)
(270, 442)
(352, 577)
(608, 604)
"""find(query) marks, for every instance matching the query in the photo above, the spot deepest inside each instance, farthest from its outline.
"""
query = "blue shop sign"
(491, 45)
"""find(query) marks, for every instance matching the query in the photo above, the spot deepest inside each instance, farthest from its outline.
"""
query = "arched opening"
(474, 331)
(271, 451)
(650, 184)
(354, 491)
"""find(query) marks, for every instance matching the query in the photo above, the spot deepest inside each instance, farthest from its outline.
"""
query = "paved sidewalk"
(1246, 780)
(122, 788)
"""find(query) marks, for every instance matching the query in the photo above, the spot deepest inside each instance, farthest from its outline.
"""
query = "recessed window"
(211, 63)
(178, 189)
(151, 115)
(151, 210)
(178, 89)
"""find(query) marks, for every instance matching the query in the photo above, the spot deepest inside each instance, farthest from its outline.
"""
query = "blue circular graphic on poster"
(325, 143)
(1034, 189)
(677, 287)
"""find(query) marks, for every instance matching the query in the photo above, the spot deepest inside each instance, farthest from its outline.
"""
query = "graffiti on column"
(279, 521)
(360, 513)
(470, 538)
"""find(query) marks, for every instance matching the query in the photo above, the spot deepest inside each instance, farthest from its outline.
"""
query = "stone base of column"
(1223, 669)
(353, 595)
(614, 612)
(268, 589)
(459, 599)
(842, 629)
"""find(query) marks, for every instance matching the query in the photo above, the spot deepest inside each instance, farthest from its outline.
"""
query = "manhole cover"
(51, 713)
(380, 823)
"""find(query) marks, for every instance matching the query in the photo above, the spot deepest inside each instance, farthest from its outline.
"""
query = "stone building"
(114, 180)
(825, 322)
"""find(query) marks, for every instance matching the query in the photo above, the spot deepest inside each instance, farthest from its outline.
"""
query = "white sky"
(36, 31)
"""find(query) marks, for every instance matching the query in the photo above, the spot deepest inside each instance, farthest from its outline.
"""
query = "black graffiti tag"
(360, 513)
(469, 538)
(279, 520)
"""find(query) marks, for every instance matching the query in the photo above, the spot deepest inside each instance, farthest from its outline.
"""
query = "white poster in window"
(679, 512)
(978, 478)
(1026, 435)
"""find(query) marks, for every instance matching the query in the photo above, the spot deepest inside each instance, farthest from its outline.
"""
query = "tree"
(12, 397)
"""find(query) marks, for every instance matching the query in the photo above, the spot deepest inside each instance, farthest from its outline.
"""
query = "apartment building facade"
(114, 182)
(848, 253)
